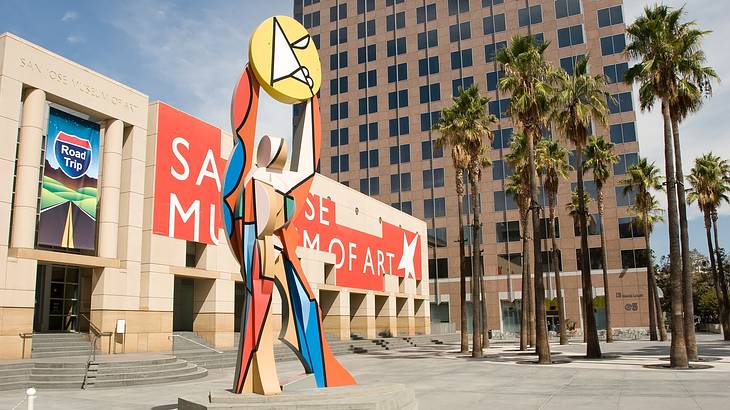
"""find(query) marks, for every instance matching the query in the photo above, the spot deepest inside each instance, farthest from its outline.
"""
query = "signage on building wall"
(361, 259)
(187, 177)
(70, 178)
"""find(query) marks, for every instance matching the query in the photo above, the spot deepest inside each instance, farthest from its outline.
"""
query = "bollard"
(31, 397)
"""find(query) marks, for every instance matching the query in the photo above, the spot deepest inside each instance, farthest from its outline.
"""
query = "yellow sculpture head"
(285, 60)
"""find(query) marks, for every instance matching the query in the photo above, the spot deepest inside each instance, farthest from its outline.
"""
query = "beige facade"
(409, 57)
(157, 284)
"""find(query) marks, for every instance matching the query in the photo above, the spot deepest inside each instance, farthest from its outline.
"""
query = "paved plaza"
(443, 378)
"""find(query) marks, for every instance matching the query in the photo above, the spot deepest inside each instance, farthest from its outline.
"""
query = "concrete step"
(61, 338)
(14, 385)
(129, 363)
(55, 344)
(194, 373)
(59, 365)
(16, 365)
(58, 384)
(13, 378)
(55, 377)
(104, 370)
(62, 353)
(57, 372)
(14, 372)
(186, 368)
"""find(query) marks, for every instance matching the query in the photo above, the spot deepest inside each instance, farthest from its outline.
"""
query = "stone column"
(385, 315)
(362, 314)
(335, 307)
(111, 178)
(422, 317)
(18, 278)
(406, 320)
(213, 312)
(27, 171)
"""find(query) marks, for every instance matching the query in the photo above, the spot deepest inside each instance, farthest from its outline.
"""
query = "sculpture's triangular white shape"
(302, 43)
(284, 62)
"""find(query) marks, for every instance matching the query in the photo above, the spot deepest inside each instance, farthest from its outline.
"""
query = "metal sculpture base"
(356, 397)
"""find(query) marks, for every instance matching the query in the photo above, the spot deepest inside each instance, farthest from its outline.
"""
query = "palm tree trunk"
(651, 291)
(678, 349)
(606, 291)
(525, 312)
(724, 323)
(658, 308)
(689, 310)
(657, 303)
(531, 301)
(542, 346)
(590, 333)
(720, 267)
(483, 292)
(556, 270)
(462, 273)
(476, 278)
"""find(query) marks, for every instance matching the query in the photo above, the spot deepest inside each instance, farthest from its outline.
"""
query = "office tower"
(390, 67)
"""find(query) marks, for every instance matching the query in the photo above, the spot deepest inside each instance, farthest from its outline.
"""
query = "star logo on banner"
(406, 260)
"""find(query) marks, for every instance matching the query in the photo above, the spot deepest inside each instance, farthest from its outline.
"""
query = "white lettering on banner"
(211, 225)
(176, 151)
(208, 169)
(341, 261)
(311, 243)
(390, 256)
(309, 210)
(193, 210)
(66, 150)
(322, 211)
(381, 260)
(368, 262)
(351, 257)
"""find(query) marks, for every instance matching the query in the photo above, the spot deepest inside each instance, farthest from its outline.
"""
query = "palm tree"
(518, 187)
(710, 180)
(582, 98)
(450, 135)
(693, 85)
(553, 162)
(643, 177)
(468, 118)
(600, 159)
(670, 58)
(531, 80)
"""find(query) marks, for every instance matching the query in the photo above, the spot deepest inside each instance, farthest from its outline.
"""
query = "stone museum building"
(391, 66)
(110, 222)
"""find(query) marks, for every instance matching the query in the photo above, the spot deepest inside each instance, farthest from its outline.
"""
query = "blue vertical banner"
(70, 178)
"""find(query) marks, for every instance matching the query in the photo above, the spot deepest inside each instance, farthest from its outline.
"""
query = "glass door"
(63, 298)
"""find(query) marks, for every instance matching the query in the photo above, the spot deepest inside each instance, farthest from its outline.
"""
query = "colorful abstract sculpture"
(261, 196)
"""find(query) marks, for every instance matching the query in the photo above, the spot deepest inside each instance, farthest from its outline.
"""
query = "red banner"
(188, 177)
(361, 259)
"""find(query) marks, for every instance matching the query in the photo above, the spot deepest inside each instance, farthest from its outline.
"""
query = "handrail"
(90, 359)
(97, 332)
(171, 338)
(24, 336)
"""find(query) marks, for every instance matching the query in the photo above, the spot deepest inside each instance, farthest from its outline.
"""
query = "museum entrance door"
(59, 292)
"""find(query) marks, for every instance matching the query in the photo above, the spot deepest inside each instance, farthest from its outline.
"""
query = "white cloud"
(69, 16)
(75, 39)
(203, 52)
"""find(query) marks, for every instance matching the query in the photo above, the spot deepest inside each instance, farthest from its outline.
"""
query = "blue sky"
(190, 56)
